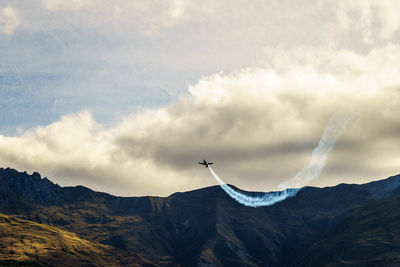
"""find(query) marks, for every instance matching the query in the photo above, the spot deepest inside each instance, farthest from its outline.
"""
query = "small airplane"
(205, 163)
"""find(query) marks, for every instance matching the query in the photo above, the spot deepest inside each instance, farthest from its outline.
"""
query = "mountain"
(23, 240)
(348, 224)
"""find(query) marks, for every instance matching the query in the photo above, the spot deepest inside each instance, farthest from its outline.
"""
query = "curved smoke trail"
(311, 171)
(266, 199)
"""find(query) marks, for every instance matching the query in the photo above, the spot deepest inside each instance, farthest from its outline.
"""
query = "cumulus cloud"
(375, 19)
(259, 125)
(79, 151)
(9, 20)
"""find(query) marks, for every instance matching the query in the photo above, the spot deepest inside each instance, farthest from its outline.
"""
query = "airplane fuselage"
(205, 163)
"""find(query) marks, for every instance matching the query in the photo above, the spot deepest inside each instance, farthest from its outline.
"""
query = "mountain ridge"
(202, 227)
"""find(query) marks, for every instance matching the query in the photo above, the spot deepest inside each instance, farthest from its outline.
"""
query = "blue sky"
(63, 58)
(46, 75)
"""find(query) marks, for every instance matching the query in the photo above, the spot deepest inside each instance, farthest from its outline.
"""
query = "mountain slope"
(362, 237)
(27, 241)
(205, 226)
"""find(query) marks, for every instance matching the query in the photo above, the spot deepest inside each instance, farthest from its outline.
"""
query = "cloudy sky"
(126, 96)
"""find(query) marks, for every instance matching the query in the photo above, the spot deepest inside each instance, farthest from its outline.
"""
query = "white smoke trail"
(320, 154)
(311, 171)
(266, 199)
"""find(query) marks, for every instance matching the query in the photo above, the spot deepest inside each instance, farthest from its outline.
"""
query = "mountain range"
(44, 224)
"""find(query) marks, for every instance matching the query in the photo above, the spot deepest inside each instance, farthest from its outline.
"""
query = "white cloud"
(177, 8)
(376, 20)
(259, 125)
(79, 151)
(66, 5)
(151, 16)
(9, 20)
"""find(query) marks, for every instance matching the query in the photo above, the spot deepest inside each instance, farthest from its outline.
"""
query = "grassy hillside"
(23, 242)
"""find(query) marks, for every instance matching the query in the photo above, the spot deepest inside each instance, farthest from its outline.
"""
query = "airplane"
(205, 163)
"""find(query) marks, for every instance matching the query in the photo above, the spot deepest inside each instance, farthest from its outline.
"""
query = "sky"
(126, 97)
